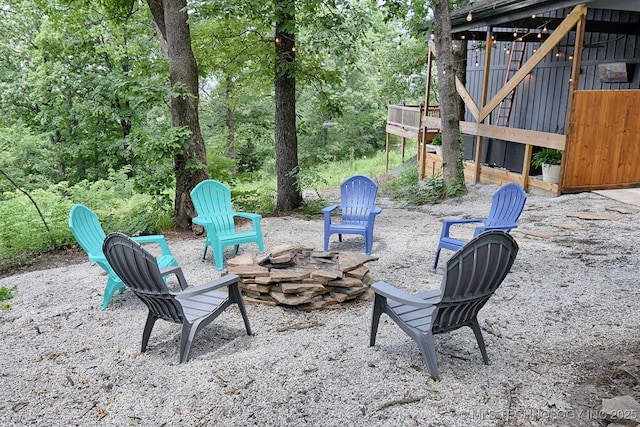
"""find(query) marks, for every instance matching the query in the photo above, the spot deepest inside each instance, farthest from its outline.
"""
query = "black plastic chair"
(194, 307)
(472, 275)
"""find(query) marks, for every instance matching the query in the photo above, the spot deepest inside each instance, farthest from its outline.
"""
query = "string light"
(278, 40)
(433, 35)
(469, 17)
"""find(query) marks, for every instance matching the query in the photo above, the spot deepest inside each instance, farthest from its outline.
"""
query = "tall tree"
(289, 196)
(449, 105)
(172, 23)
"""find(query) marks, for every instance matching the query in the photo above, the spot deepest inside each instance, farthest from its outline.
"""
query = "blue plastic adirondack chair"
(506, 207)
(357, 198)
(86, 228)
(212, 201)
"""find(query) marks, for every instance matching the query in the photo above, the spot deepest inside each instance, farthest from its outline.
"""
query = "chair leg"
(218, 255)
(236, 296)
(109, 290)
(339, 237)
(368, 243)
(235, 249)
(327, 236)
(379, 304)
(435, 262)
(186, 339)
(204, 253)
(148, 327)
(428, 350)
(476, 330)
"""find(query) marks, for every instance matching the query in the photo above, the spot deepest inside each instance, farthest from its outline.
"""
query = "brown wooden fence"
(603, 148)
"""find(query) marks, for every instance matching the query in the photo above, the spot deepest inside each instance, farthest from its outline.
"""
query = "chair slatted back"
(86, 228)
(472, 275)
(507, 205)
(212, 199)
(358, 195)
(139, 271)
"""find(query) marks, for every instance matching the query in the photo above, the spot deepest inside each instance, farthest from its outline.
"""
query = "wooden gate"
(603, 148)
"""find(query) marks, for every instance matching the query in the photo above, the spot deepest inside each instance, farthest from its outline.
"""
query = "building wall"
(541, 100)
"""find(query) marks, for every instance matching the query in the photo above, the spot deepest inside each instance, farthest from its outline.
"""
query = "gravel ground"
(561, 332)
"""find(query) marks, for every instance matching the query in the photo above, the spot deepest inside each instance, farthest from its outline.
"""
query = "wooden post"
(573, 87)
(386, 165)
(485, 90)
(422, 150)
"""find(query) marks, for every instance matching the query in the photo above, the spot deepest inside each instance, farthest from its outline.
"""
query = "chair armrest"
(200, 220)
(462, 221)
(252, 216)
(174, 269)
(224, 281)
(330, 209)
(447, 223)
(155, 238)
(503, 227)
(391, 292)
(374, 211)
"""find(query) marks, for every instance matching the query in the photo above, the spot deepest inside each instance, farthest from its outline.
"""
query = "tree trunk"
(231, 123)
(286, 139)
(449, 110)
(172, 24)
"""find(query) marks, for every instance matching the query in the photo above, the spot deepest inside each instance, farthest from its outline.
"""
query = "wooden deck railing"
(416, 122)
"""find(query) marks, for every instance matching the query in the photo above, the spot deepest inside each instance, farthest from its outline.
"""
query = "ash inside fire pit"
(300, 276)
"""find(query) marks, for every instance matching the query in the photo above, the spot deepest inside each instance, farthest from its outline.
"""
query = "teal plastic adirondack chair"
(86, 228)
(212, 201)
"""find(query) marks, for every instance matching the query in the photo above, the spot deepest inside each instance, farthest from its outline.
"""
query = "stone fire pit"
(301, 276)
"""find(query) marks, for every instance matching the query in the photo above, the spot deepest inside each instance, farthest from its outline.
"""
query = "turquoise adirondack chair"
(358, 213)
(212, 201)
(86, 228)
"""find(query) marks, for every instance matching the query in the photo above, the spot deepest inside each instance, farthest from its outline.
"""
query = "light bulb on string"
(469, 17)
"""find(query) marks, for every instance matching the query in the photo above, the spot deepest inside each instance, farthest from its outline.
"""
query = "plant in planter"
(437, 143)
(549, 159)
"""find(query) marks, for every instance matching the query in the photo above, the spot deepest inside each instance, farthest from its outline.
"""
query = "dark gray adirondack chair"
(194, 307)
(472, 275)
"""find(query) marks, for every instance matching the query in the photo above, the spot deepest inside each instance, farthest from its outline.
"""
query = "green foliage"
(437, 140)
(115, 202)
(5, 295)
(409, 188)
(547, 156)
